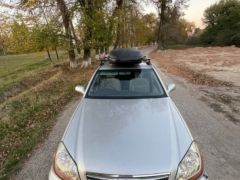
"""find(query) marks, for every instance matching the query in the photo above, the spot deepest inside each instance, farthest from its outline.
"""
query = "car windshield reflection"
(126, 83)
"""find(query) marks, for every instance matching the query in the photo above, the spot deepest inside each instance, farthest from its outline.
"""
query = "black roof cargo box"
(125, 56)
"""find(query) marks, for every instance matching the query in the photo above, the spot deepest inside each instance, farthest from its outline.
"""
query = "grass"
(14, 68)
(27, 116)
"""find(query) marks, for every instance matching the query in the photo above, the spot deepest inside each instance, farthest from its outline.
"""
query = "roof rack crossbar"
(106, 59)
(103, 61)
(147, 60)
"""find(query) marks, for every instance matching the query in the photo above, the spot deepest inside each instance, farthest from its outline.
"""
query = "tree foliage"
(20, 39)
(4, 36)
(170, 25)
(223, 24)
(84, 26)
(134, 28)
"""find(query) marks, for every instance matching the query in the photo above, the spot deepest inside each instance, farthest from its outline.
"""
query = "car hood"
(127, 136)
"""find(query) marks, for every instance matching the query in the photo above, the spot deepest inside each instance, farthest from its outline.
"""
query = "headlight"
(191, 167)
(63, 164)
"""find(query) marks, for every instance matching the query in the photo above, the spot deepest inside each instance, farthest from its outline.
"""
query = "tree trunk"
(66, 22)
(86, 58)
(158, 35)
(89, 8)
(131, 29)
(124, 34)
(49, 56)
(56, 51)
(117, 41)
(97, 54)
(161, 30)
(72, 57)
(97, 50)
(118, 9)
(106, 50)
(102, 50)
(2, 50)
(77, 41)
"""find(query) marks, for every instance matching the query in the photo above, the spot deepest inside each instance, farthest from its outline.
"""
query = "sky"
(194, 12)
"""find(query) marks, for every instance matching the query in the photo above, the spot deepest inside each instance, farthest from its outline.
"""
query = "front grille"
(91, 178)
(95, 176)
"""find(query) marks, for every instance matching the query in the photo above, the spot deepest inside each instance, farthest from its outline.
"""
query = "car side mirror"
(80, 89)
(171, 87)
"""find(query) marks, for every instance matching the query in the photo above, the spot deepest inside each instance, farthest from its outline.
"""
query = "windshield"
(125, 83)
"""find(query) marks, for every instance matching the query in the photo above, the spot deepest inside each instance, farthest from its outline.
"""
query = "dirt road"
(218, 138)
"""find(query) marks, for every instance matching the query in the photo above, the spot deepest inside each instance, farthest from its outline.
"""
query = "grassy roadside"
(27, 117)
(14, 68)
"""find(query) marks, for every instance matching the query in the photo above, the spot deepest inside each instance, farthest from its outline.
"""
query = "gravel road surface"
(219, 139)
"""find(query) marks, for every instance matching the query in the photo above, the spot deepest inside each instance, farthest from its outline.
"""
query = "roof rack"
(106, 59)
(103, 61)
(147, 61)
(125, 56)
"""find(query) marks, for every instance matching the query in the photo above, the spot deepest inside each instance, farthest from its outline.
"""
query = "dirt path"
(219, 139)
(221, 93)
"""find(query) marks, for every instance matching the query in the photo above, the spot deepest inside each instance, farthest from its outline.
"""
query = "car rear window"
(125, 83)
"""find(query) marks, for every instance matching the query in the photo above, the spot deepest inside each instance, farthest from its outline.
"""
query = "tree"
(87, 8)
(150, 23)
(45, 38)
(168, 12)
(66, 23)
(41, 24)
(223, 23)
(194, 39)
(128, 26)
(101, 36)
(4, 31)
(81, 24)
(118, 14)
(162, 7)
(20, 39)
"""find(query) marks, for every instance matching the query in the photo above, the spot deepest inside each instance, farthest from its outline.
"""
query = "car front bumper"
(52, 175)
(204, 176)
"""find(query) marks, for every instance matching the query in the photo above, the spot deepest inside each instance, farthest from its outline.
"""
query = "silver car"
(127, 127)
